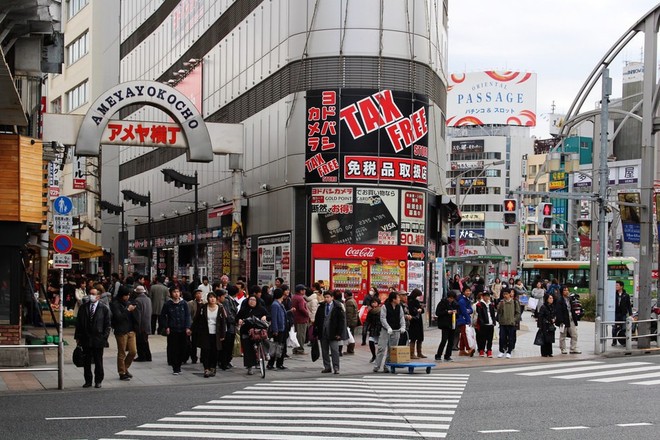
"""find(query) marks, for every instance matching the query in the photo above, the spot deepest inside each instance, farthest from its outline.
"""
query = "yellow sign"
(535, 256)
(557, 184)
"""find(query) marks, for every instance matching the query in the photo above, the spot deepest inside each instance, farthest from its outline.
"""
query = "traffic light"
(544, 217)
(510, 212)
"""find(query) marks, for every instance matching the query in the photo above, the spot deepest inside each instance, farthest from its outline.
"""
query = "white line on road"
(222, 410)
(301, 417)
(326, 426)
(627, 377)
(542, 367)
(626, 425)
(607, 373)
(354, 402)
(85, 417)
(647, 382)
(238, 436)
(568, 428)
(587, 368)
(498, 431)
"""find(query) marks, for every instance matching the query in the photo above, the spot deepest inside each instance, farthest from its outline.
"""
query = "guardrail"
(601, 339)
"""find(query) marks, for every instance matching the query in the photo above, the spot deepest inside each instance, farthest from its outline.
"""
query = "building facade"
(342, 106)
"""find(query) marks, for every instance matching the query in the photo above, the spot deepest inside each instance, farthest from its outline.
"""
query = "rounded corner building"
(341, 105)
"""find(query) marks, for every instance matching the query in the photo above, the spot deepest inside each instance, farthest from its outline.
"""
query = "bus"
(575, 274)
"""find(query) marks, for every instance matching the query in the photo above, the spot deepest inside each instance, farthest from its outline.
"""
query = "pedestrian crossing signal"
(510, 212)
(544, 217)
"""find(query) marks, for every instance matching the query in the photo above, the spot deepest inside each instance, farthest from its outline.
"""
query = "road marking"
(628, 377)
(542, 367)
(239, 436)
(85, 417)
(647, 382)
(497, 431)
(606, 373)
(626, 425)
(587, 368)
(568, 428)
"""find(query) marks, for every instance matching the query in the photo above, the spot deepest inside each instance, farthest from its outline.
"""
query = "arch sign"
(154, 94)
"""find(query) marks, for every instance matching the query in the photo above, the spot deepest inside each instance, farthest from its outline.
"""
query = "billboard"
(366, 136)
(491, 97)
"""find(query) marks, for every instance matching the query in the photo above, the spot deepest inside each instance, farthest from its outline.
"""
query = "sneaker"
(282, 367)
(207, 373)
(328, 370)
(175, 373)
(129, 375)
(564, 352)
(386, 370)
(576, 352)
(124, 377)
(508, 355)
(373, 358)
(250, 371)
(481, 353)
(501, 355)
(449, 360)
(336, 371)
(376, 369)
(438, 357)
(489, 354)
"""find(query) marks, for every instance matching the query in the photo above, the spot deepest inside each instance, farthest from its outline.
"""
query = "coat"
(351, 313)
(373, 322)
(508, 312)
(301, 314)
(312, 306)
(200, 327)
(122, 320)
(546, 322)
(145, 310)
(464, 311)
(337, 327)
(483, 312)
(443, 312)
(623, 308)
(416, 326)
(561, 312)
(175, 316)
(93, 333)
(159, 295)
(278, 318)
(245, 312)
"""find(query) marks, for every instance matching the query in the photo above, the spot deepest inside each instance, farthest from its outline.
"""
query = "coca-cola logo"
(365, 252)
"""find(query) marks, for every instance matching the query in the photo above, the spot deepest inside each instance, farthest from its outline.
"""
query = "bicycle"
(258, 333)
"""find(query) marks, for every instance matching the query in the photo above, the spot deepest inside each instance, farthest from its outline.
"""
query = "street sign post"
(62, 244)
(61, 261)
(62, 224)
(63, 205)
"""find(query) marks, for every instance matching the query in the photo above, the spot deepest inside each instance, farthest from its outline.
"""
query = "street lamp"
(187, 182)
(138, 199)
(117, 210)
(459, 202)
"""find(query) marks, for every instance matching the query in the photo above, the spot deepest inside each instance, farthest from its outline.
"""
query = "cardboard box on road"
(400, 354)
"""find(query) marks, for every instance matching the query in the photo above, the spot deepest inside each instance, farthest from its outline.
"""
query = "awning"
(83, 248)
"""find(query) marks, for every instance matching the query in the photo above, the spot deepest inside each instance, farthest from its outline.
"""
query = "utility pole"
(603, 176)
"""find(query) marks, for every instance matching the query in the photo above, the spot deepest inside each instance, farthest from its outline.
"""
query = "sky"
(560, 40)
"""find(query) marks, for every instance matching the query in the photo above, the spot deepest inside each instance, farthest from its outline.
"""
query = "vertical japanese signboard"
(413, 205)
(79, 175)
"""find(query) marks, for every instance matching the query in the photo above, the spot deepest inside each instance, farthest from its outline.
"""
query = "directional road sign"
(63, 205)
(62, 244)
(61, 261)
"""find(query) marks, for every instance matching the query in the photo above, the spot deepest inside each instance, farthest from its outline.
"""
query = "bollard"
(597, 349)
(629, 322)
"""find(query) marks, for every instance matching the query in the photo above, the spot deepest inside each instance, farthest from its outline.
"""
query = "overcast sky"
(559, 40)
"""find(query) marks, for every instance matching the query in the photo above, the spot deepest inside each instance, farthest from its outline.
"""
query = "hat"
(139, 289)
(300, 287)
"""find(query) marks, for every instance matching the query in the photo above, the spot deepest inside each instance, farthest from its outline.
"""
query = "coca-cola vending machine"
(358, 267)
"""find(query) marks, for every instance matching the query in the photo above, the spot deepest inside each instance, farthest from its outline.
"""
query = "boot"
(350, 349)
(412, 351)
(419, 350)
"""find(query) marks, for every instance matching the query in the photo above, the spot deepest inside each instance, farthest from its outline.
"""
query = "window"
(75, 6)
(56, 105)
(77, 49)
(76, 97)
(79, 202)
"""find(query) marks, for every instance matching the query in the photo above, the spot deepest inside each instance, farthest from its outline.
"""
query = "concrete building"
(342, 106)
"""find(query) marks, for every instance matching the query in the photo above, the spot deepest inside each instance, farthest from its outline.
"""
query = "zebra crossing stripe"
(606, 373)
(630, 377)
(542, 367)
(552, 371)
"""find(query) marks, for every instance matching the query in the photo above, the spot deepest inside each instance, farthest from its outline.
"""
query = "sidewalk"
(157, 372)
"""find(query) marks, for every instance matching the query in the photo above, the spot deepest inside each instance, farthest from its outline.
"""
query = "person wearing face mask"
(92, 331)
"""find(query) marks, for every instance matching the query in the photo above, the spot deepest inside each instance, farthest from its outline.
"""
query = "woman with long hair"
(210, 328)
(416, 329)
(249, 308)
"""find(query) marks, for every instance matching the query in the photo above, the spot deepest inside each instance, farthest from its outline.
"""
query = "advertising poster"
(491, 97)
(273, 259)
(332, 215)
(412, 225)
(366, 135)
(630, 216)
(376, 221)
(415, 275)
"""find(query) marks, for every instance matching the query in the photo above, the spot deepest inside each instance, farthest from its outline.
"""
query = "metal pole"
(457, 226)
(196, 225)
(151, 247)
(603, 176)
(122, 242)
(597, 341)
(60, 342)
(237, 229)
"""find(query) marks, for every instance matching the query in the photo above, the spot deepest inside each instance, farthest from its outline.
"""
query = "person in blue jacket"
(278, 328)
(464, 319)
(175, 319)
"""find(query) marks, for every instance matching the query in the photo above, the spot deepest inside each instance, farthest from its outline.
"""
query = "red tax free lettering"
(376, 111)
(407, 131)
(328, 167)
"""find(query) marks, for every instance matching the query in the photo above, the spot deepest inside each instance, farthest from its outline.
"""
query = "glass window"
(75, 6)
(79, 202)
(77, 49)
(76, 97)
(56, 105)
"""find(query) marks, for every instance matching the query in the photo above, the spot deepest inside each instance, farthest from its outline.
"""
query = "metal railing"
(57, 368)
(601, 340)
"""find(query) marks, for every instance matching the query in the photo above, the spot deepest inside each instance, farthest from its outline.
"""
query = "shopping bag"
(532, 303)
(292, 340)
(316, 351)
(78, 357)
(236, 352)
(276, 349)
(403, 338)
(351, 339)
(539, 339)
(471, 337)
(311, 337)
(364, 310)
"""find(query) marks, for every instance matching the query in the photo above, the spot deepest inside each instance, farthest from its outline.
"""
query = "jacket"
(562, 314)
(337, 327)
(373, 322)
(312, 306)
(508, 312)
(93, 333)
(464, 311)
(301, 315)
(351, 313)
(122, 320)
(623, 308)
(159, 295)
(200, 327)
(546, 318)
(278, 317)
(145, 311)
(175, 316)
(231, 307)
(483, 311)
(383, 317)
(442, 311)
(246, 312)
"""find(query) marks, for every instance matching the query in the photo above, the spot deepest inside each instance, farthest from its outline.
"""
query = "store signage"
(467, 146)
(79, 173)
(468, 183)
(366, 136)
(581, 180)
(412, 226)
(467, 165)
(557, 184)
(331, 251)
(143, 134)
(364, 252)
(273, 258)
(473, 216)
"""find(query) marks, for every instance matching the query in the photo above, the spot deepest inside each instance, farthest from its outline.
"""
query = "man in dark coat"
(125, 317)
(446, 312)
(143, 328)
(622, 310)
(567, 322)
(92, 331)
(329, 327)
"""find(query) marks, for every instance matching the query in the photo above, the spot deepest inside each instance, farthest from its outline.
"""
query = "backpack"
(576, 307)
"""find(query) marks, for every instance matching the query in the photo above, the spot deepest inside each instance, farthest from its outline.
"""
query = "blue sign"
(63, 205)
(631, 232)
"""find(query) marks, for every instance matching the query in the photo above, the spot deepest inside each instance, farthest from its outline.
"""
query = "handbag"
(471, 337)
(351, 339)
(236, 351)
(276, 349)
(539, 339)
(292, 340)
(78, 357)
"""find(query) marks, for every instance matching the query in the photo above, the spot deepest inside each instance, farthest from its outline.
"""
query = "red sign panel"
(358, 251)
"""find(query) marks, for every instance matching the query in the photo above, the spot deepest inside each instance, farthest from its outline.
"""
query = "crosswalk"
(370, 407)
(632, 372)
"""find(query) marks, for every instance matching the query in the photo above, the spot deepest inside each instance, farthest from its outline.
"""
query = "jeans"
(385, 341)
(330, 348)
(125, 343)
(507, 338)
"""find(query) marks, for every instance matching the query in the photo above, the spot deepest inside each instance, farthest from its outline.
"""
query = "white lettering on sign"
(366, 252)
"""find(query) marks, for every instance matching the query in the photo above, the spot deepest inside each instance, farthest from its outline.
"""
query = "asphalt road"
(571, 399)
